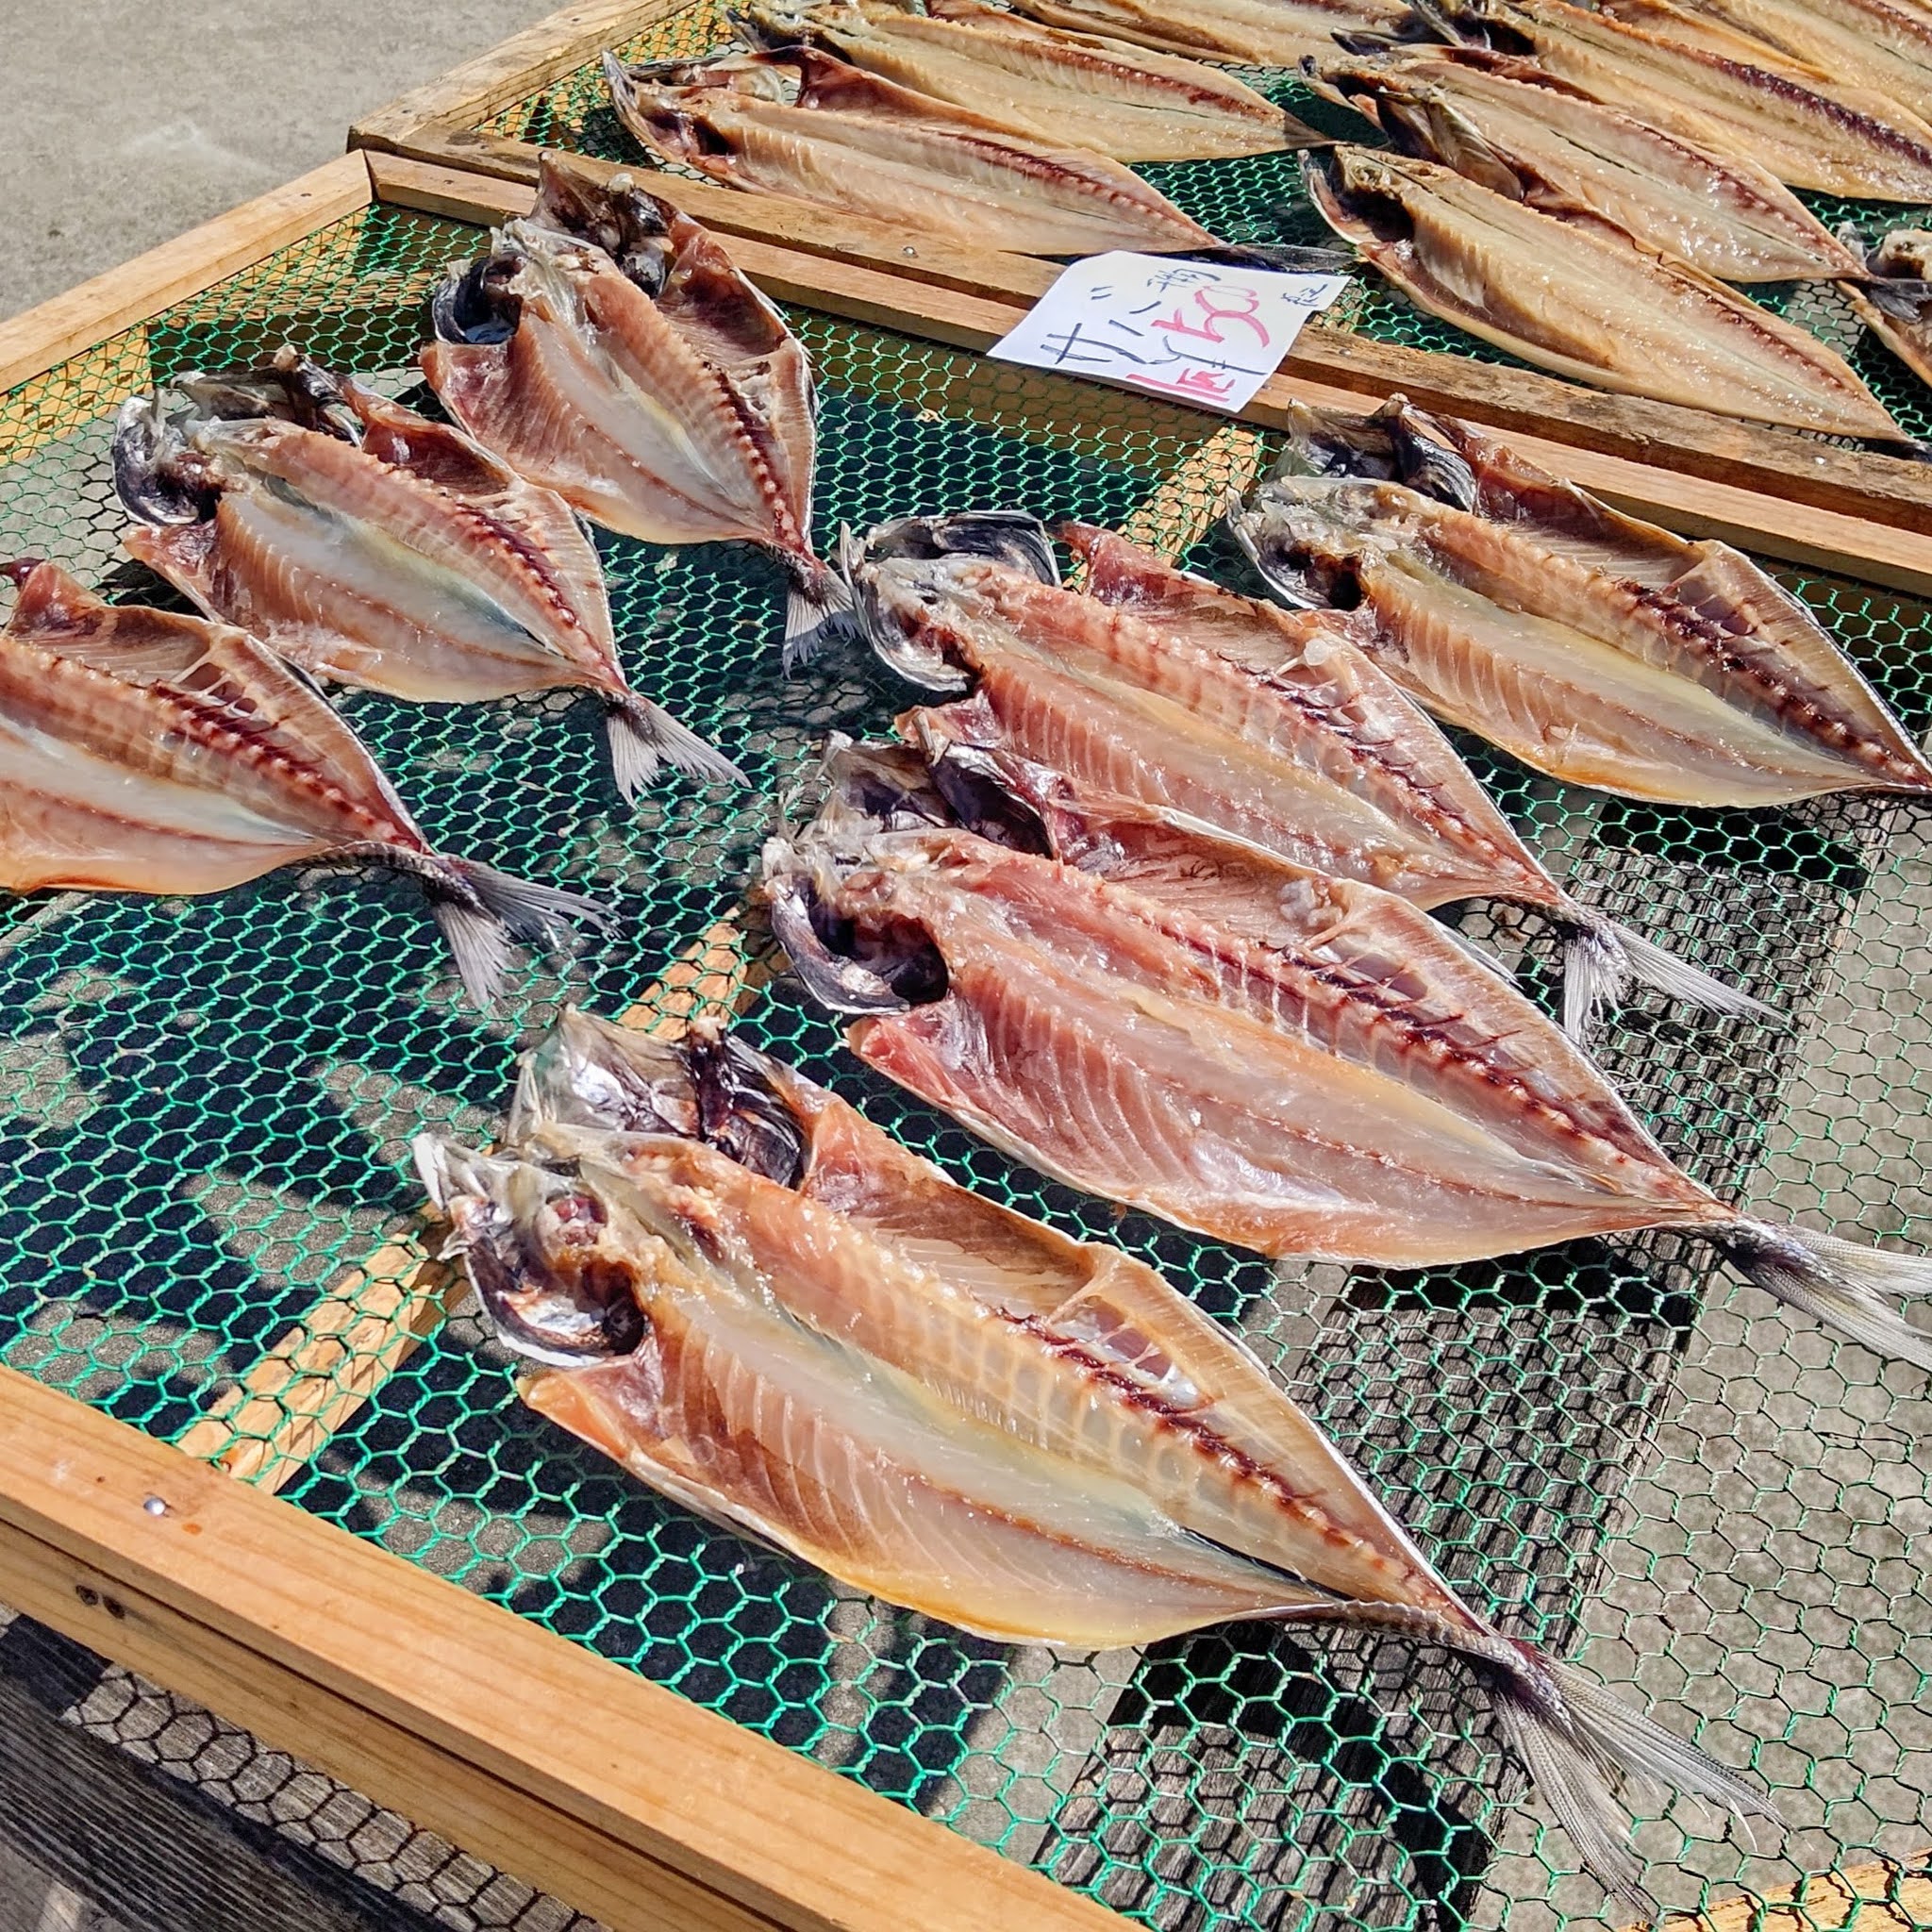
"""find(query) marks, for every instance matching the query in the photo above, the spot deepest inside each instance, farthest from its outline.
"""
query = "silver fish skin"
(1586, 305)
(769, 1309)
(1894, 299)
(142, 751)
(800, 125)
(376, 548)
(1599, 649)
(1509, 127)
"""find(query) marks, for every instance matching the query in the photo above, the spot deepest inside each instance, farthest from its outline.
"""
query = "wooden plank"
(1883, 552)
(1882, 1896)
(131, 294)
(334, 1622)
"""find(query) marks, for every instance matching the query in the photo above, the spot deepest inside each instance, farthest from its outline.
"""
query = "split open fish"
(1045, 83)
(1151, 685)
(1585, 304)
(1357, 1091)
(607, 349)
(1808, 133)
(762, 1306)
(1506, 126)
(1594, 647)
(1258, 33)
(142, 751)
(801, 124)
(1894, 301)
(373, 547)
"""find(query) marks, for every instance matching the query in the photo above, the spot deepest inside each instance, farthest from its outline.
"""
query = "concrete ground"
(130, 121)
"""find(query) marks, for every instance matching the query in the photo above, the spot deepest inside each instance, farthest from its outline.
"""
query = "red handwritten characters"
(1213, 330)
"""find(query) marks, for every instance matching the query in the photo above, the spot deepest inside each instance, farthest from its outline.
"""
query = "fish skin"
(1595, 648)
(1509, 127)
(1045, 83)
(1259, 33)
(839, 138)
(1834, 139)
(413, 563)
(663, 398)
(147, 752)
(1895, 302)
(1594, 310)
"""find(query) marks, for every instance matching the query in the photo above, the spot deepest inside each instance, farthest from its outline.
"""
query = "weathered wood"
(1876, 1897)
(223, 1585)
(36, 341)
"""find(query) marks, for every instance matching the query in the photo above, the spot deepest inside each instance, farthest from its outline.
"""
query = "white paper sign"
(1206, 334)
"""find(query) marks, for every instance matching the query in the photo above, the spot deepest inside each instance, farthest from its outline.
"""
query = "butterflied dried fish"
(607, 349)
(1805, 132)
(1896, 303)
(374, 547)
(803, 125)
(1594, 647)
(1044, 82)
(1507, 125)
(1260, 33)
(1154, 686)
(146, 752)
(1354, 1096)
(1583, 303)
(766, 1308)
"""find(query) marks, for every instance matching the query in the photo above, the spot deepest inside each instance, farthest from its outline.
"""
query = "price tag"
(1195, 331)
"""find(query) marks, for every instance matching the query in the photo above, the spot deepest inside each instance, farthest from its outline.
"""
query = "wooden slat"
(1875, 1897)
(1882, 552)
(35, 341)
(322, 1620)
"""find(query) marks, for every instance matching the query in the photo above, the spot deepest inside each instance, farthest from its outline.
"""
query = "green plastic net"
(1631, 1458)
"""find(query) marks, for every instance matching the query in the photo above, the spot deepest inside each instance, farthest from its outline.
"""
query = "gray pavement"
(128, 122)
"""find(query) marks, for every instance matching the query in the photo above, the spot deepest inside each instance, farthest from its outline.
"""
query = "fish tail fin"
(481, 910)
(818, 599)
(1602, 959)
(1845, 1286)
(643, 736)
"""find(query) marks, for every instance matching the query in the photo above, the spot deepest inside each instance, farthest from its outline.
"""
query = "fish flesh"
(1875, 45)
(1810, 134)
(1352, 1096)
(1506, 126)
(801, 124)
(376, 548)
(735, 1286)
(1894, 301)
(607, 349)
(1586, 305)
(1593, 647)
(1272, 729)
(1043, 82)
(1258, 33)
(142, 751)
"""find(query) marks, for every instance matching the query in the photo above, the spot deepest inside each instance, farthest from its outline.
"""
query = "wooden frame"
(179, 1561)
(441, 123)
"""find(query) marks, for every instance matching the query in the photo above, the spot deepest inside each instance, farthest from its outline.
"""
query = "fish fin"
(643, 735)
(480, 910)
(1602, 957)
(815, 609)
(479, 944)
(1840, 1282)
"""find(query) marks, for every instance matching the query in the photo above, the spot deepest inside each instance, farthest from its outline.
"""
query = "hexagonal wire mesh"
(205, 1104)
(1260, 200)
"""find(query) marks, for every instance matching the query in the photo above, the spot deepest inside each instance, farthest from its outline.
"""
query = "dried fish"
(769, 1310)
(1895, 303)
(1259, 33)
(1043, 82)
(1596, 648)
(142, 751)
(377, 548)
(607, 349)
(1509, 127)
(1586, 305)
(1808, 133)
(803, 125)
(1274, 730)
(1350, 1095)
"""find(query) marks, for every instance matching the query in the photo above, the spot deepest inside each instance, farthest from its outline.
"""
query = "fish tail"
(818, 599)
(1602, 959)
(1849, 1288)
(481, 910)
(642, 736)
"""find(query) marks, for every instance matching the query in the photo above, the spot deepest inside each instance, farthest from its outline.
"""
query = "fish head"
(557, 1280)
(290, 387)
(160, 476)
(988, 789)
(1308, 536)
(851, 957)
(611, 211)
(477, 301)
(588, 1073)
(871, 788)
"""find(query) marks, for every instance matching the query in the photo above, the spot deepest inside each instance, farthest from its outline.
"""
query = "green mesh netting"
(1623, 1453)
(1261, 199)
